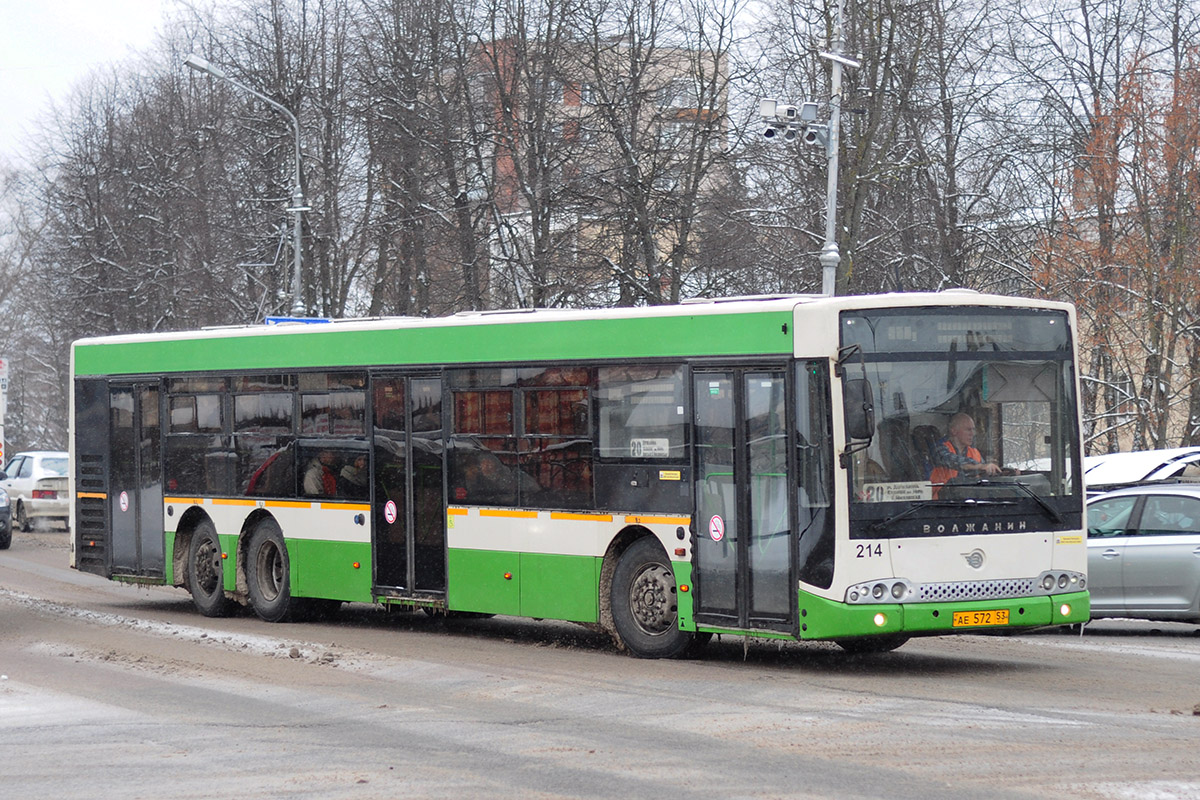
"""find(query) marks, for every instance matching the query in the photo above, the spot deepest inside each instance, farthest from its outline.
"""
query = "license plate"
(977, 618)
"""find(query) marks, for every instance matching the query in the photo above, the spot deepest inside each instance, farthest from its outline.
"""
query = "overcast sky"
(48, 45)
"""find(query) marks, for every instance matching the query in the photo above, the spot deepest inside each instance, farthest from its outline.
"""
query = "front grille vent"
(976, 590)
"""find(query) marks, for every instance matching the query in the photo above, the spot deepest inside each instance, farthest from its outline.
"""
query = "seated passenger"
(957, 453)
(353, 478)
(320, 479)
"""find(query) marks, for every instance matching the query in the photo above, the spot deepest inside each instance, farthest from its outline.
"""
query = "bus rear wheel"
(644, 603)
(268, 574)
(205, 574)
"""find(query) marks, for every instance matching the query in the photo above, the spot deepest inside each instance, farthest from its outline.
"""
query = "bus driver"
(957, 453)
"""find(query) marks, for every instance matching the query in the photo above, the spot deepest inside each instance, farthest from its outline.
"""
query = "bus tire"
(644, 604)
(872, 644)
(268, 574)
(205, 572)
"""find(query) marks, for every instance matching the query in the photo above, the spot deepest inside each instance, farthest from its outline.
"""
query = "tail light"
(45, 494)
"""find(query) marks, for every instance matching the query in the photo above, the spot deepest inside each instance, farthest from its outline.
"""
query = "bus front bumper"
(828, 619)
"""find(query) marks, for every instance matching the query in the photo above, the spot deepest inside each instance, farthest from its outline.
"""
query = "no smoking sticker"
(389, 511)
(716, 528)
(124, 501)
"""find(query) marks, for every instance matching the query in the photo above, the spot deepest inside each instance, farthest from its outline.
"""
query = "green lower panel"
(484, 581)
(229, 550)
(560, 587)
(169, 550)
(335, 570)
(683, 597)
(524, 584)
(828, 619)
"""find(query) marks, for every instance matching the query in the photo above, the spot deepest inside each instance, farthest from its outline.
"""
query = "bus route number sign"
(649, 448)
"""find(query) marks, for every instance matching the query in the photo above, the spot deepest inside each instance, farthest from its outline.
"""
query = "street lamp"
(298, 208)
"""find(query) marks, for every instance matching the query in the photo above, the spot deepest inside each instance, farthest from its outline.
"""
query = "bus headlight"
(1060, 580)
(882, 590)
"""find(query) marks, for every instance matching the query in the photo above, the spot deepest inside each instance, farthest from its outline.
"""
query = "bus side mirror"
(859, 408)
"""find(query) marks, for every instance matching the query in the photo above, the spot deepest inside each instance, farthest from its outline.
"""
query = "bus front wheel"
(644, 603)
(205, 574)
(268, 573)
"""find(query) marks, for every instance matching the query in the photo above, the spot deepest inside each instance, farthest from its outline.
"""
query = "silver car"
(1144, 553)
(36, 482)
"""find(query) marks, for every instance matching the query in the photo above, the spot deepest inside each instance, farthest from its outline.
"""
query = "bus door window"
(814, 470)
(767, 458)
(391, 481)
(717, 502)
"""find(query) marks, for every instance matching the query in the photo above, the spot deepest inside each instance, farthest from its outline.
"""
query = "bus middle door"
(409, 531)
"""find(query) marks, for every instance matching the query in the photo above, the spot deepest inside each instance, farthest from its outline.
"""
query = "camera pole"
(792, 120)
(830, 257)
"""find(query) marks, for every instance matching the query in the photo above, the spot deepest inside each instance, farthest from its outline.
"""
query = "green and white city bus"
(753, 466)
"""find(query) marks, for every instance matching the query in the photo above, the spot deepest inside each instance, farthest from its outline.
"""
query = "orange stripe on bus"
(193, 500)
(491, 512)
(458, 512)
(286, 504)
(345, 507)
(92, 495)
(222, 501)
(583, 517)
(658, 520)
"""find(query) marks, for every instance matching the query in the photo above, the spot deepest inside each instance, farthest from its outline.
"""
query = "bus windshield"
(974, 422)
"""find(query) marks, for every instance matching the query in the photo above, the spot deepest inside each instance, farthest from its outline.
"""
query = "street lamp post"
(297, 208)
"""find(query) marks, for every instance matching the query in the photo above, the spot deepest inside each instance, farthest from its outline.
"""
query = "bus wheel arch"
(184, 531)
(612, 555)
(642, 604)
(205, 578)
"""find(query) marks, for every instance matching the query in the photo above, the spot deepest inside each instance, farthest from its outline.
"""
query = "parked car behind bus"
(36, 482)
(1144, 553)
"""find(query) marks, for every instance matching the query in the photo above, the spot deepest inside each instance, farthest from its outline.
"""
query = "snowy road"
(110, 690)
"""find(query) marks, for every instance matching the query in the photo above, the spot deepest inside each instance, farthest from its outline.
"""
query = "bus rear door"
(135, 491)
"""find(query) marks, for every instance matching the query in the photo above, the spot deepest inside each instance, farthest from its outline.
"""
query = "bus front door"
(135, 491)
(409, 532)
(743, 557)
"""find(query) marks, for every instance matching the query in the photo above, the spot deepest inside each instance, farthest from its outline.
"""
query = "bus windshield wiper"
(1050, 510)
(880, 524)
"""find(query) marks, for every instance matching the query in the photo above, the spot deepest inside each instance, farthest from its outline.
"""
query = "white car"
(36, 483)
(1107, 472)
